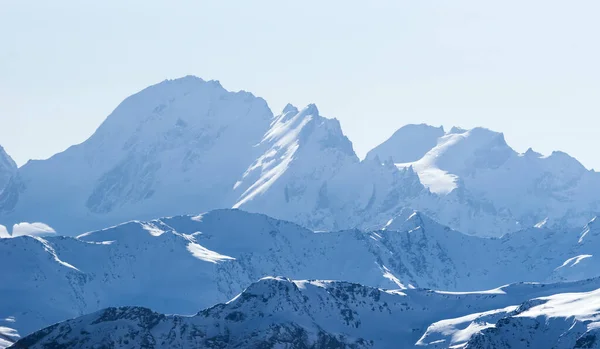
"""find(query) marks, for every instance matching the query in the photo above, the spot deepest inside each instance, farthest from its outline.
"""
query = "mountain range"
(411, 234)
(185, 263)
(280, 313)
(187, 145)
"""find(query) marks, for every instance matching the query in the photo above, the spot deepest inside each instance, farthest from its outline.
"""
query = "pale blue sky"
(527, 68)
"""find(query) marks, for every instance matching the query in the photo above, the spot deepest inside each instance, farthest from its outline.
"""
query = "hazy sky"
(530, 69)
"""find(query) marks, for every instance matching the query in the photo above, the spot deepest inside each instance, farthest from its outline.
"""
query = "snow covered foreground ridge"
(188, 145)
(277, 312)
(181, 264)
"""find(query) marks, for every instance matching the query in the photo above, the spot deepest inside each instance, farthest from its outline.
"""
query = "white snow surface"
(563, 320)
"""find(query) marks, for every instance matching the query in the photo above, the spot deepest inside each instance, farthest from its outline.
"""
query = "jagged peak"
(456, 130)
(389, 163)
(310, 109)
(409, 171)
(290, 108)
(530, 153)
(291, 112)
(409, 219)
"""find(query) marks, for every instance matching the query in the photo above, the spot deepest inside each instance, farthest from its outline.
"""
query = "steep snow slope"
(408, 144)
(184, 263)
(277, 312)
(302, 151)
(8, 168)
(567, 320)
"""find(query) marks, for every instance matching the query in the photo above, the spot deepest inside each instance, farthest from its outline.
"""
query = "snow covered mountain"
(175, 147)
(488, 189)
(188, 145)
(278, 312)
(185, 263)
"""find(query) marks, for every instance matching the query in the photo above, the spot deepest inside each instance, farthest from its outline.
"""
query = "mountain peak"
(409, 143)
(408, 220)
(456, 129)
(532, 153)
(311, 109)
(290, 108)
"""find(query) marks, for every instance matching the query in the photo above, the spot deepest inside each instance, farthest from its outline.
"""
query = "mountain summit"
(175, 147)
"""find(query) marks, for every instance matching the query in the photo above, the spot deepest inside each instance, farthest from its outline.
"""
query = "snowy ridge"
(278, 312)
(566, 320)
(184, 263)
